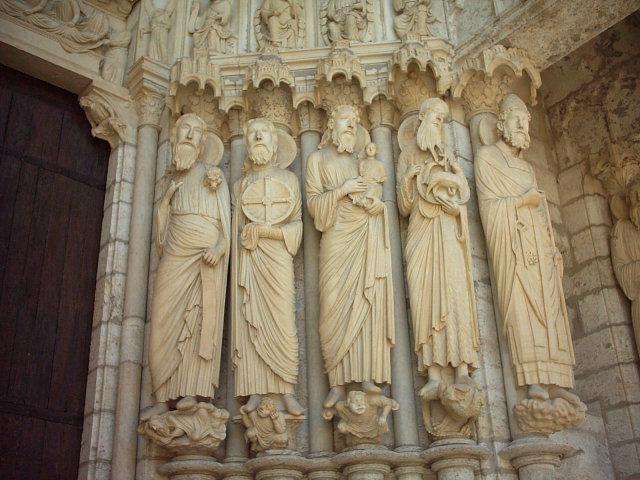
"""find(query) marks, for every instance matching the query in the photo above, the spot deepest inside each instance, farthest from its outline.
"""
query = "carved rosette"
(110, 113)
(483, 81)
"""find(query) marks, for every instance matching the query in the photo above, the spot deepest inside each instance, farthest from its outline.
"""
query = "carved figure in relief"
(280, 24)
(192, 237)
(526, 264)
(625, 254)
(266, 426)
(267, 233)
(432, 191)
(67, 11)
(363, 416)
(347, 20)
(159, 26)
(115, 58)
(413, 17)
(211, 31)
(373, 174)
(356, 293)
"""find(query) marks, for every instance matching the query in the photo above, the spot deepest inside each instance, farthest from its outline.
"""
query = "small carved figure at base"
(268, 427)
(363, 416)
(457, 407)
(192, 428)
(544, 411)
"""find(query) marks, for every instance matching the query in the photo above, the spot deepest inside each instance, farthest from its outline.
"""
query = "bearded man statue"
(527, 267)
(192, 237)
(356, 293)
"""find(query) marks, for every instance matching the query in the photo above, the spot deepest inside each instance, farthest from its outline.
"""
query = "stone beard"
(432, 191)
(264, 335)
(187, 309)
(356, 293)
(526, 265)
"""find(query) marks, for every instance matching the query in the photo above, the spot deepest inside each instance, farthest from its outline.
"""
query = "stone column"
(382, 117)
(148, 82)
(536, 458)
(236, 446)
(455, 459)
(320, 430)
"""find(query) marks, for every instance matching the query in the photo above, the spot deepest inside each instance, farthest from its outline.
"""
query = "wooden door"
(52, 181)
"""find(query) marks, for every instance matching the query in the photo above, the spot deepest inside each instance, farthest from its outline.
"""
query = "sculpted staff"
(526, 264)
(268, 226)
(356, 296)
(187, 312)
(433, 191)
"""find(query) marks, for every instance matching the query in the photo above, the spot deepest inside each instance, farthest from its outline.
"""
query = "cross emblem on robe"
(267, 200)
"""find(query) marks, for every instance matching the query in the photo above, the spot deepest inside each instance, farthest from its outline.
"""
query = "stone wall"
(592, 101)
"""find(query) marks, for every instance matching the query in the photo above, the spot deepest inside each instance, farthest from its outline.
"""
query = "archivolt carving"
(211, 33)
(77, 27)
(279, 24)
(350, 20)
(413, 17)
(111, 115)
(160, 19)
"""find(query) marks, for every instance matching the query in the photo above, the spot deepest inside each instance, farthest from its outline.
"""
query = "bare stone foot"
(252, 404)
(292, 405)
(186, 403)
(467, 380)
(559, 392)
(335, 394)
(370, 387)
(157, 409)
(537, 392)
(430, 390)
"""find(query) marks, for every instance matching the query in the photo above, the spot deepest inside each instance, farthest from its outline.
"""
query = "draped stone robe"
(187, 311)
(356, 293)
(441, 293)
(265, 341)
(527, 280)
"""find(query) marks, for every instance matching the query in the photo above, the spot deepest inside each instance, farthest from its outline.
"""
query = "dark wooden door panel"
(52, 179)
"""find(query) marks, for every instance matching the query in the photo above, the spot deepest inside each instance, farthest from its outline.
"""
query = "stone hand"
(250, 235)
(173, 188)
(449, 207)
(212, 256)
(530, 199)
(414, 170)
(375, 208)
(353, 185)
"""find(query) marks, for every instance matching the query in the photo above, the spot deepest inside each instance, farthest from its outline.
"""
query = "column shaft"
(405, 424)
(320, 430)
(135, 306)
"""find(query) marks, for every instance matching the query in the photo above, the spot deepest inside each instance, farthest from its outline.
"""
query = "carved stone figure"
(267, 233)
(432, 190)
(373, 174)
(413, 17)
(363, 416)
(280, 24)
(160, 24)
(115, 58)
(526, 264)
(210, 31)
(347, 20)
(356, 293)
(267, 427)
(625, 254)
(67, 11)
(192, 236)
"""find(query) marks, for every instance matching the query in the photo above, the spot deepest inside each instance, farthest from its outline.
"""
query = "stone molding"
(310, 119)
(110, 111)
(148, 84)
(382, 113)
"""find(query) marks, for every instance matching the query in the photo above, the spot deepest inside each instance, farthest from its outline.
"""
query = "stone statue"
(363, 416)
(67, 11)
(350, 20)
(432, 190)
(526, 265)
(268, 230)
(356, 293)
(280, 24)
(160, 24)
(115, 58)
(625, 254)
(413, 17)
(210, 31)
(267, 427)
(192, 236)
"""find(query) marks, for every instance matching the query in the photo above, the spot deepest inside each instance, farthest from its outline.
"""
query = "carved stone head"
(513, 122)
(433, 113)
(343, 126)
(357, 402)
(266, 407)
(187, 140)
(262, 141)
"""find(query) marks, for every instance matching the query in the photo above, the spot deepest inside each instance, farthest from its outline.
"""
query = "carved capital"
(149, 84)
(382, 113)
(310, 119)
(110, 111)
(482, 81)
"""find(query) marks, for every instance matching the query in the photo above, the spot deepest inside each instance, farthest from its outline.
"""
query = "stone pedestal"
(409, 465)
(277, 465)
(191, 467)
(536, 458)
(455, 459)
(367, 471)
